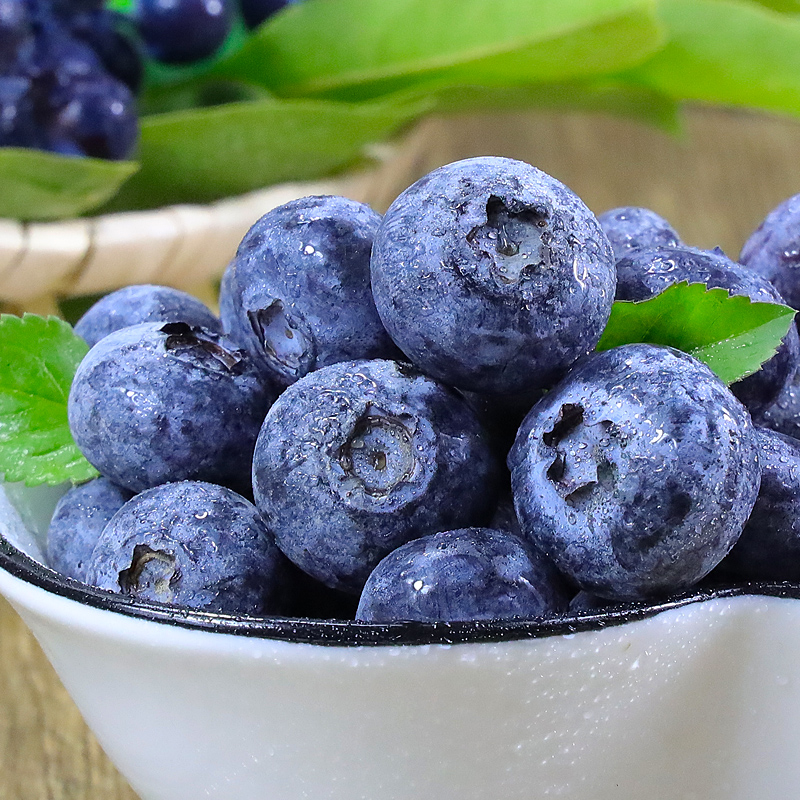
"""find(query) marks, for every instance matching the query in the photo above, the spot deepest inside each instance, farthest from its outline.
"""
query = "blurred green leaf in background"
(303, 95)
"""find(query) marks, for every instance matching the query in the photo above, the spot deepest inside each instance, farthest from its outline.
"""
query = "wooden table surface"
(714, 184)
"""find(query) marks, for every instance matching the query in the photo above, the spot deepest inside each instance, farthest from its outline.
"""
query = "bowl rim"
(353, 633)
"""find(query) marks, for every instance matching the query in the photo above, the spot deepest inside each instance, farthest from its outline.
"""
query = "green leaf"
(203, 154)
(38, 185)
(727, 52)
(38, 359)
(610, 97)
(732, 335)
(355, 49)
(784, 6)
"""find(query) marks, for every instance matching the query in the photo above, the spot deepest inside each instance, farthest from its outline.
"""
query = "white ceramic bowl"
(695, 698)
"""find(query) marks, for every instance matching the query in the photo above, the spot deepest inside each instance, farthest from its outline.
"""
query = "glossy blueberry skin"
(78, 520)
(98, 118)
(637, 473)
(492, 276)
(59, 60)
(358, 458)
(505, 516)
(162, 402)
(133, 305)
(119, 53)
(633, 228)
(783, 415)
(192, 544)
(462, 575)
(18, 126)
(773, 250)
(15, 31)
(297, 295)
(256, 11)
(183, 31)
(769, 547)
(645, 273)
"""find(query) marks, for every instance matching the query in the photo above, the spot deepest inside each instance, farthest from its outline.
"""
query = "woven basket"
(714, 184)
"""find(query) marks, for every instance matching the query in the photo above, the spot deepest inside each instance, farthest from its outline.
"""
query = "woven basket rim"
(182, 245)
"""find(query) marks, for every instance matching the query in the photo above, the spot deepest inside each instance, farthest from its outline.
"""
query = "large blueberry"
(637, 473)
(632, 228)
(297, 295)
(192, 544)
(460, 575)
(161, 402)
(79, 519)
(645, 273)
(773, 250)
(358, 458)
(769, 547)
(492, 276)
(133, 305)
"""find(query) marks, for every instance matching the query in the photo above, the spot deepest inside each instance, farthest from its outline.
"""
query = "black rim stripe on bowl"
(354, 634)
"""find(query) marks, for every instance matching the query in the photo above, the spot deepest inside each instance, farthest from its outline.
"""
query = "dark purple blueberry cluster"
(70, 70)
(409, 411)
(68, 75)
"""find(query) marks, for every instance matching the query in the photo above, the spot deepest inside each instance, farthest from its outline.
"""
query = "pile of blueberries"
(405, 418)
(70, 70)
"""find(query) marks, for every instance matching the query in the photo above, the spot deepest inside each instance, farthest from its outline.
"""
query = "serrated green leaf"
(35, 185)
(203, 154)
(732, 335)
(357, 49)
(729, 52)
(38, 359)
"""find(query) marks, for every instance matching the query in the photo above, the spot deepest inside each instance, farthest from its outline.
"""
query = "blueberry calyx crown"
(513, 238)
(201, 345)
(158, 568)
(287, 345)
(379, 453)
(582, 466)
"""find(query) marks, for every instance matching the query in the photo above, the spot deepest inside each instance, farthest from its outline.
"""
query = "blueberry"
(192, 544)
(784, 414)
(588, 603)
(255, 12)
(297, 295)
(633, 228)
(769, 547)
(773, 250)
(18, 126)
(505, 516)
(161, 402)
(77, 523)
(645, 273)
(15, 31)
(103, 31)
(637, 473)
(358, 458)
(59, 60)
(183, 31)
(133, 305)
(460, 575)
(492, 276)
(97, 118)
